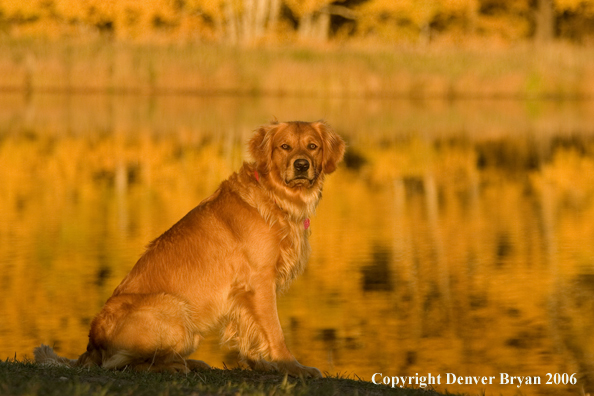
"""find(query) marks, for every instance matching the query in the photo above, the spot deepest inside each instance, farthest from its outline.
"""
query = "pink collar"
(306, 222)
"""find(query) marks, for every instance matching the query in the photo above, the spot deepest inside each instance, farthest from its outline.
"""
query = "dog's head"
(296, 154)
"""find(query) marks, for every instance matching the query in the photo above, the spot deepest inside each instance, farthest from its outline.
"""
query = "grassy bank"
(18, 378)
(524, 71)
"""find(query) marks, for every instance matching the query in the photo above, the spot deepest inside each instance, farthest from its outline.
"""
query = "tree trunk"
(322, 26)
(231, 23)
(545, 21)
(305, 26)
(315, 25)
(262, 12)
(256, 17)
(473, 15)
(275, 10)
(248, 21)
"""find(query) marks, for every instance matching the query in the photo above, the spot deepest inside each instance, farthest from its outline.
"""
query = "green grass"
(25, 378)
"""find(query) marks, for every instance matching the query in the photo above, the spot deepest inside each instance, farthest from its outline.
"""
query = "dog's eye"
(312, 146)
(285, 147)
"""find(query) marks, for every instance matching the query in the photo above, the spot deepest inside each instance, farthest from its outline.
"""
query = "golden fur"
(222, 265)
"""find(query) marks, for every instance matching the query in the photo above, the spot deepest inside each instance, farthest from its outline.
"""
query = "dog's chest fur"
(294, 252)
(292, 229)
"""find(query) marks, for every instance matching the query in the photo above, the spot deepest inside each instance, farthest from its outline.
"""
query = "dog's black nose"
(301, 165)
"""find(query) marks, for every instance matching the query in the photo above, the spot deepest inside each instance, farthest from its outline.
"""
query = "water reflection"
(456, 238)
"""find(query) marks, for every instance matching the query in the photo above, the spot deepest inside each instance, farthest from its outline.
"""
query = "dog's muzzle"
(301, 172)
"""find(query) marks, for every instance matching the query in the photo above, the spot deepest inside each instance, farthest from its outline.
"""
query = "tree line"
(255, 21)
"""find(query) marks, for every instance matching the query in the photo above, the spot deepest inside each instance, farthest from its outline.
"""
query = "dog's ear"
(333, 148)
(260, 146)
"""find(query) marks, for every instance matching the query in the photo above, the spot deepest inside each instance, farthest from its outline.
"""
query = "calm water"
(457, 237)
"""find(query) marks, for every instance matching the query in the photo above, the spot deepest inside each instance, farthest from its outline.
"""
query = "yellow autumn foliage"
(251, 21)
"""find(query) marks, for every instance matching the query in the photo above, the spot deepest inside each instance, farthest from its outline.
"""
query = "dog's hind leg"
(153, 332)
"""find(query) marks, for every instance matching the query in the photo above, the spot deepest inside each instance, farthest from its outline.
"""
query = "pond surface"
(457, 237)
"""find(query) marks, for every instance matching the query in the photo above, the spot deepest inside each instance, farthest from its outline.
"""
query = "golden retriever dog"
(222, 265)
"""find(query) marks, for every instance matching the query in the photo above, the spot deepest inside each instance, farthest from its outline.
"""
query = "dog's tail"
(45, 354)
